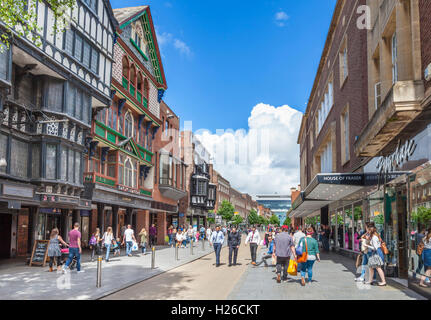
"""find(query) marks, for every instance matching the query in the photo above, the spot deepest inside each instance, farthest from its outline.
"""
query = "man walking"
(233, 241)
(254, 239)
(284, 249)
(75, 249)
(129, 237)
(298, 236)
(153, 235)
(217, 239)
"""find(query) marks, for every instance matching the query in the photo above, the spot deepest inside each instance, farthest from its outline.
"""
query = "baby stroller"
(65, 256)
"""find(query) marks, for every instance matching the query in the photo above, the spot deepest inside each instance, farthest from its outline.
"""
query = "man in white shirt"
(298, 236)
(217, 240)
(209, 233)
(129, 237)
(254, 239)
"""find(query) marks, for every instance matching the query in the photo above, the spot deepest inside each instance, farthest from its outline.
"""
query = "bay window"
(51, 161)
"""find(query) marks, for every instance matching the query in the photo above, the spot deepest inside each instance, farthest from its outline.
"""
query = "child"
(116, 247)
(197, 237)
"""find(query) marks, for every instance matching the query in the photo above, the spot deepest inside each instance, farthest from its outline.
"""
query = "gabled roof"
(109, 10)
(125, 16)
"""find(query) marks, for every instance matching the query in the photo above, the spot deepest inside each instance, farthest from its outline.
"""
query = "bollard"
(176, 252)
(99, 272)
(153, 258)
(191, 246)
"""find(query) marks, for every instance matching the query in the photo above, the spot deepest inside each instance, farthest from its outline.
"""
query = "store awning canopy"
(327, 188)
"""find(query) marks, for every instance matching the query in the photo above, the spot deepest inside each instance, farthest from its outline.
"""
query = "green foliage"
(226, 210)
(253, 217)
(20, 16)
(379, 219)
(237, 219)
(287, 221)
(263, 221)
(422, 216)
(274, 220)
(211, 220)
(312, 220)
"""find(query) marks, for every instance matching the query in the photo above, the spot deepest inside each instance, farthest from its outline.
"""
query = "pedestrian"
(254, 239)
(144, 238)
(426, 257)
(179, 238)
(116, 247)
(197, 235)
(269, 253)
(365, 252)
(208, 233)
(311, 247)
(129, 237)
(189, 235)
(202, 232)
(233, 241)
(75, 249)
(174, 236)
(170, 229)
(266, 238)
(153, 235)
(284, 249)
(95, 243)
(217, 240)
(298, 235)
(376, 259)
(54, 252)
(107, 238)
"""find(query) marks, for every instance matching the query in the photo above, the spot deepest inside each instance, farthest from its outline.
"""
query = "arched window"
(146, 89)
(139, 88)
(125, 67)
(128, 125)
(133, 75)
(129, 174)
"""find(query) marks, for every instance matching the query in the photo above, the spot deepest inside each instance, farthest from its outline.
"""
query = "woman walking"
(108, 237)
(95, 243)
(144, 238)
(54, 251)
(311, 246)
(376, 259)
(426, 258)
(170, 229)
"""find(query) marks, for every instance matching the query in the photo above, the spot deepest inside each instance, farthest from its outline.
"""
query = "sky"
(247, 66)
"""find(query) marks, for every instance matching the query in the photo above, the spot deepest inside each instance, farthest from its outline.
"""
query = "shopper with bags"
(284, 249)
(128, 239)
(426, 257)
(376, 259)
(310, 253)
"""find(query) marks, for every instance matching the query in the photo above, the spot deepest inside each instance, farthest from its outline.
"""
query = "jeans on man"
(217, 249)
(74, 252)
(234, 250)
(325, 243)
(282, 264)
(129, 245)
(306, 267)
(253, 249)
(108, 250)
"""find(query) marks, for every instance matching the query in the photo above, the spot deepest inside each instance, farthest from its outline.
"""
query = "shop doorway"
(5, 235)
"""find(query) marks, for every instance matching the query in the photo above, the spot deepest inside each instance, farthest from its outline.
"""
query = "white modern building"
(279, 204)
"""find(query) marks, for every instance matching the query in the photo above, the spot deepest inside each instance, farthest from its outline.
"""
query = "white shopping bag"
(135, 246)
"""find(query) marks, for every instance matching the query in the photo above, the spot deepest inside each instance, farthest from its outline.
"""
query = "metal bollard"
(99, 272)
(191, 246)
(153, 258)
(176, 252)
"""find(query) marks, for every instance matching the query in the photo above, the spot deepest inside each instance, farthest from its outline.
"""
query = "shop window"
(51, 161)
(348, 229)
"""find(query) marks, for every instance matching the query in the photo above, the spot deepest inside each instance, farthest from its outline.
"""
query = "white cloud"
(167, 39)
(182, 47)
(264, 159)
(280, 18)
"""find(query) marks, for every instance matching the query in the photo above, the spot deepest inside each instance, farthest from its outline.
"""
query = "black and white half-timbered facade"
(49, 92)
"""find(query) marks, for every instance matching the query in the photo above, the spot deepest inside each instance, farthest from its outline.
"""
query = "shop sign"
(398, 158)
(17, 191)
(348, 179)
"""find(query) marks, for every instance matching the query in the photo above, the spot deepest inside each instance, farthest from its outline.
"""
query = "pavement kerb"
(130, 284)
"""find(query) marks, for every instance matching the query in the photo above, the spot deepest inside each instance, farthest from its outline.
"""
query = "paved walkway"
(333, 280)
(24, 282)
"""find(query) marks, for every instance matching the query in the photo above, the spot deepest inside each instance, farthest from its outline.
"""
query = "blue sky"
(222, 58)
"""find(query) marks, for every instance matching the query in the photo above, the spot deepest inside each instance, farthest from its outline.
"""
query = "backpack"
(93, 241)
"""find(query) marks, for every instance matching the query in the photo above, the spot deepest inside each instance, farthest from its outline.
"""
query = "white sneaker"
(360, 279)
(81, 271)
(65, 269)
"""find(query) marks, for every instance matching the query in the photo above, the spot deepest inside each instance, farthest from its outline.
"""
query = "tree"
(263, 221)
(20, 16)
(226, 210)
(237, 219)
(274, 220)
(287, 221)
(211, 221)
(253, 217)
(422, 216)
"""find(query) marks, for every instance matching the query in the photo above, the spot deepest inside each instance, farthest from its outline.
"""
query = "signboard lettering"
(398, 158)
(40, 253)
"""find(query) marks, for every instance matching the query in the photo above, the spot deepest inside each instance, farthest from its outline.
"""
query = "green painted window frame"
(139, 49)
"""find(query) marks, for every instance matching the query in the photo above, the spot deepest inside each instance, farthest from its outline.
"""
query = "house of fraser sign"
(398, 158)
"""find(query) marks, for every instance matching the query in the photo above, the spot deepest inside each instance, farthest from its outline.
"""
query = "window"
(128, 125)
(146, 88)
(55, 95)
(71, 161)
(344, 70)
(133, 75)
(92, 4)
(129, 174)
(3, 150)
(165, 165)
(325, 106)
(77, 167)
(4, 62)
(137, 40)
(35, 161)
(394, 58)
(82, 51)
(326, 159)
(63, 172)
(125, 67)
(78, 105)
(377, 94)
(345, 153)
(51, 161)
(19, 165)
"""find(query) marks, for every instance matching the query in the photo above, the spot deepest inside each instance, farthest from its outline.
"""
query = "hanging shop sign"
(398, 158)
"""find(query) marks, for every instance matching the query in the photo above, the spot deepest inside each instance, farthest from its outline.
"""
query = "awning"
(327, 188)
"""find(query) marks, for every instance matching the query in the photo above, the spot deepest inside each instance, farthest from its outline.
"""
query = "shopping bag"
(167, 239)
(135, 246)
(293, 268)
(274, 260)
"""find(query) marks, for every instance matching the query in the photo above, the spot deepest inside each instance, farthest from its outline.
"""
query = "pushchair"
(65, 256)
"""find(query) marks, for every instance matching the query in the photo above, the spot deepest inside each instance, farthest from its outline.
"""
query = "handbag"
(384, 247)
(304, 256)
(274, 260)
(359, 260)
(293, 268)
(375, 260)
(420, 248)
(299, 250)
